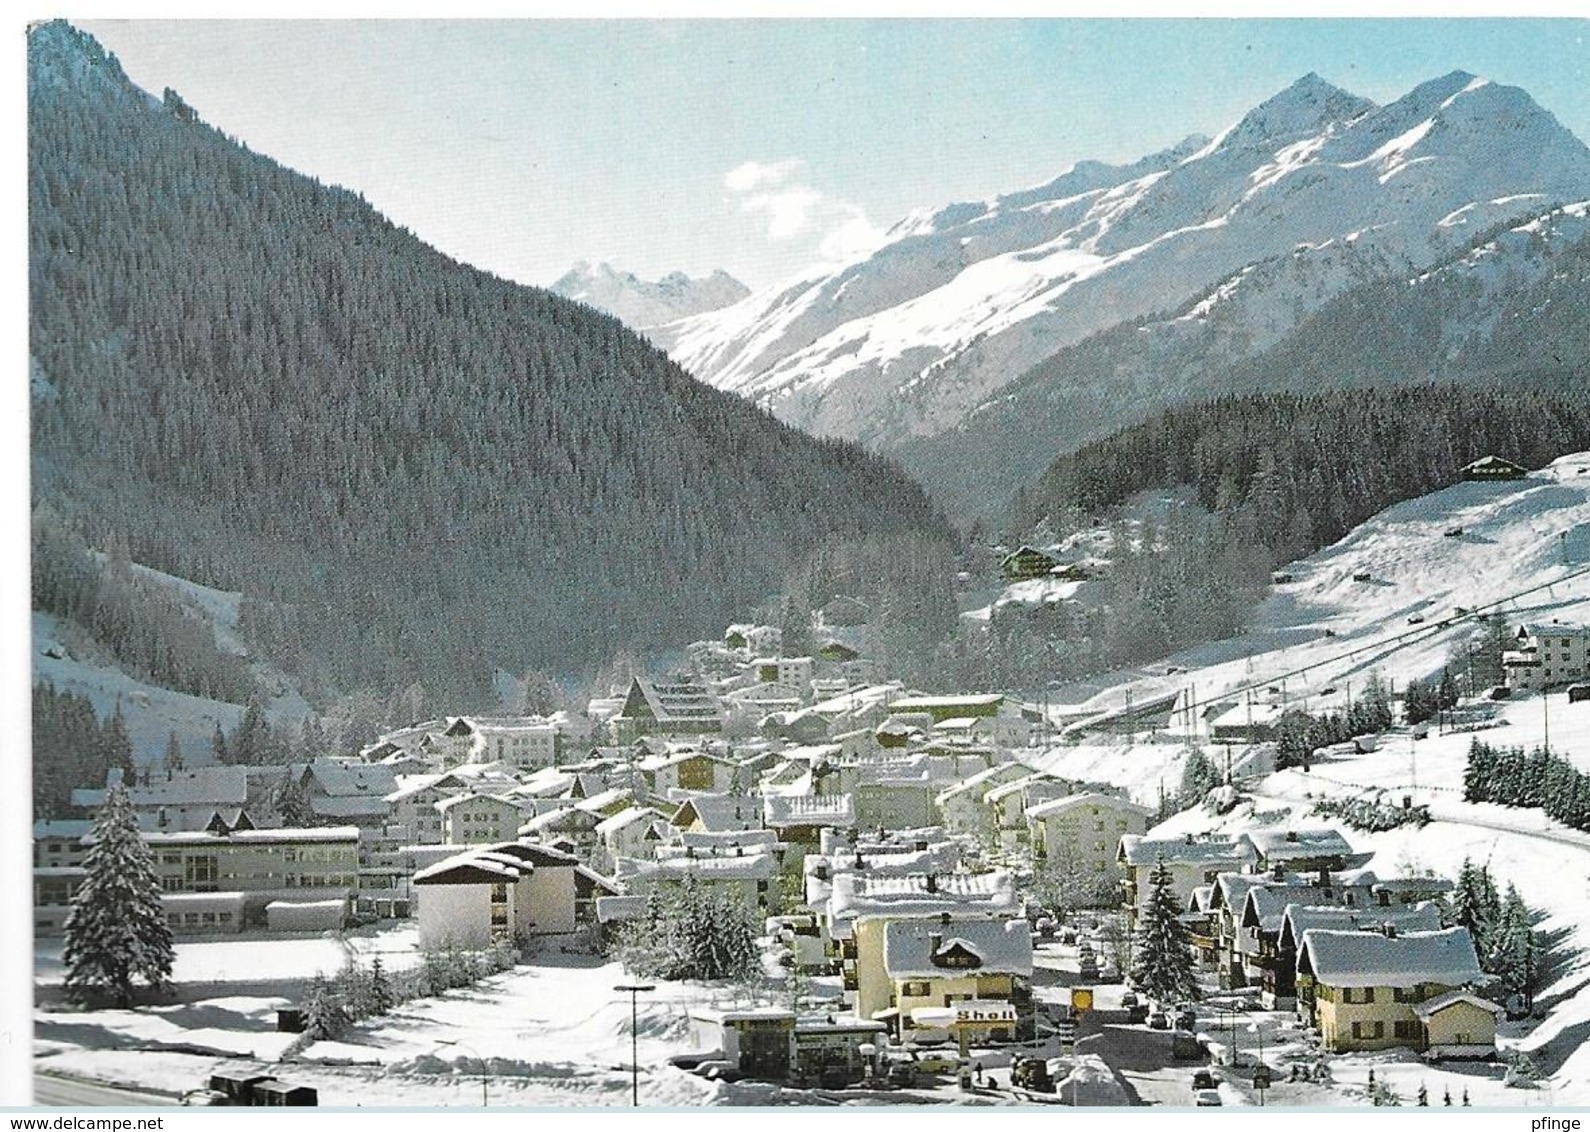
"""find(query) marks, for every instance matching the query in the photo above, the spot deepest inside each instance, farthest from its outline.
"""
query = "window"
(1408, 1031)
(1404, 994)
(1358, 995)
(1369, 1030)
(200, 870)
(915, 989)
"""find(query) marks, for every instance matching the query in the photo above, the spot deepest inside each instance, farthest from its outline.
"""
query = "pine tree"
(291, 802)
(325, 1016)
(1162, 962)
(1513, 952)
(380, 988)
(116, 930)
(173, 760)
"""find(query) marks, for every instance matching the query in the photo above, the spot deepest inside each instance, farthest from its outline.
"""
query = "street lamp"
(633, 990)
(482, 1060)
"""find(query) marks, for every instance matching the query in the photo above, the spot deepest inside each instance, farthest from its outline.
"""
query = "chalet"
(717, 813)
(181, 800)
(1376, 990)
(564, 827)
(1491, 468)
(1190, 861)
(495, 892)
(691, 770)
(1083, 832)
(965, 978)
(1027, 562)
(632, 832)
(960, 807)
(475, 819)
(1282, 988)
(799, 819)
(1009, 802)
(678, 707)
(1547, 655)
(1251, 905)
(1303, 850)
(756, 638)
(860, 903)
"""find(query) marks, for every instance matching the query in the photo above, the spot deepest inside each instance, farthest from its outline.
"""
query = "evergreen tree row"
(1537, 779)
(1503, 930)
(1298, 734)
(72, 748)
(690, 931)
(1295, 472)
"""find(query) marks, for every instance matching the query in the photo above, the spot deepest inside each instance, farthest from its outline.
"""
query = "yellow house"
(967, 978)
(1375, 990)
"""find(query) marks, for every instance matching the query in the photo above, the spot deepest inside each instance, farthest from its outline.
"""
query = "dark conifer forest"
(410, 468)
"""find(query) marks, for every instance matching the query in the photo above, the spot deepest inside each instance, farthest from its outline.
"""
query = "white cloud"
(792, 209)
(760, 175)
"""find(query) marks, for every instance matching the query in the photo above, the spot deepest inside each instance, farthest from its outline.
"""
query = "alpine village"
(454, 692)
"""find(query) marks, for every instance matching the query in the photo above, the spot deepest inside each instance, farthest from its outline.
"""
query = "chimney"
(1188, 838)
(1389, 929)
(1383, 898)
(1291, 835)
(932, 883)
(935, 942)
(1278, 873)
(944, 919)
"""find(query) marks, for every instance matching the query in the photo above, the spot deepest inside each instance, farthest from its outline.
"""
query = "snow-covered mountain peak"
(643, 304)
(963, 299)
(1307, 107)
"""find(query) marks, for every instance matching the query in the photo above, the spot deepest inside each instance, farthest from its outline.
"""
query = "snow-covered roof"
(1373, 959)
(201, 786)
(564, 819)
(352, 780)
(311, 835)
(1299, 918)
(933, 948)
(1430, 1007)
(447, 804)
(782, 810)
(340, 806)
(720, 813)
(947, 703)
(1059, 806)
(619, 909)
(865, 894)
(751, 866)
(633, 815)
(1299, 844)
(1212, 850)
(977, 783)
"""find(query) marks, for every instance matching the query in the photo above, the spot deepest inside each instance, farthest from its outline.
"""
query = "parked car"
(1203, 1079)
(204, 1098)
(1158, 1019)
(1207, 1098)
(1186, 1019)
(902, 1071)
(716, 1069)
(689, 1061)
(937, 1061)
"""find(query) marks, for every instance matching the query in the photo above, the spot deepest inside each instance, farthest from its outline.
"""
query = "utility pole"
(634, 990)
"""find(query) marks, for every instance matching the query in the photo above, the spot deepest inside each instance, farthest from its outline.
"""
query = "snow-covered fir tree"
(116, 931)
(1162, 962)
(325, 1015)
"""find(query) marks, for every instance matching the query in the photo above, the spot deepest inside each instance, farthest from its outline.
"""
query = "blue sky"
(761, 146)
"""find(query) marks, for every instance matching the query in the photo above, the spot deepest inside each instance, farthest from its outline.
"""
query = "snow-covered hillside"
(1524, 553)
(641, 303)
(67, 659)
(1311, 192)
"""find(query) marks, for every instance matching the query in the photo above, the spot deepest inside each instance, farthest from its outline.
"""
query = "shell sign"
(1081, 998)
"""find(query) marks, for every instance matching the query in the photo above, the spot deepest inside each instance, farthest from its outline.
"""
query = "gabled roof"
(1276, 845)
(1371, 959)
(1213, 850)
(564, 819)
(751, 866)
(350, 780)
(633, 815)
(719, 813)
(928, 947)
(504, 862)
(459, 799)
(1059, 806)
(201, 786)
(1299, 918)
(977, 783)
(673, 702)
(1430, 1007)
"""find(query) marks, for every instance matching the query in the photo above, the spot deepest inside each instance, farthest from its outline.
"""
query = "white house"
(496, 891)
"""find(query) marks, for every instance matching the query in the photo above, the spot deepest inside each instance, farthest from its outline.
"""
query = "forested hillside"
(1291, 473)
(411, 469)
